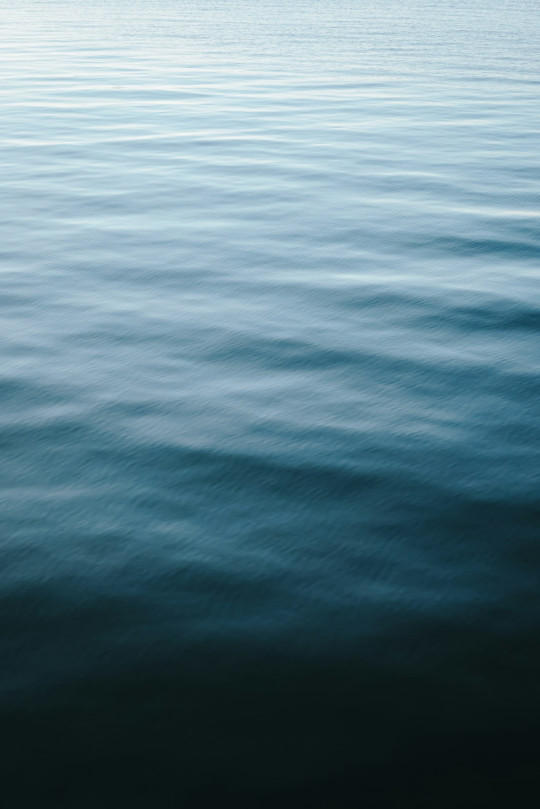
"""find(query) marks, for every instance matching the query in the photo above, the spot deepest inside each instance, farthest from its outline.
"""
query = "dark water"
(270, 403)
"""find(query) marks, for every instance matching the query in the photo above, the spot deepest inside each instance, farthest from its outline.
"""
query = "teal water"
(270, 379)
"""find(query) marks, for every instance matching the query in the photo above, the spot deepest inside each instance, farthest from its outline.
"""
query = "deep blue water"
(270, 421)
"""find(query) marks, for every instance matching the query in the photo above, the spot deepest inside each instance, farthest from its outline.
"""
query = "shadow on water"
(239, 728)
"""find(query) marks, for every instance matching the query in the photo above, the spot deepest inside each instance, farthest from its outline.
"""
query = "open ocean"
(270, 404)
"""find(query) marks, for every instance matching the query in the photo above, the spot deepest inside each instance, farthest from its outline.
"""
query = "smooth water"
(270, 421)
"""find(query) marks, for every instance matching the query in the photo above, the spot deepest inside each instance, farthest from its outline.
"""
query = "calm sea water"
(270, 421)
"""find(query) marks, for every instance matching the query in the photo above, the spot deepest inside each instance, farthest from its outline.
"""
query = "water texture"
(270, 423)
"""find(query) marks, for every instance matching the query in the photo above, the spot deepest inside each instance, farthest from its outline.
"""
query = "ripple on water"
(269, 420)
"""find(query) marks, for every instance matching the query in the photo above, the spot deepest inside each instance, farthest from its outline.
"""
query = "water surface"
(270, 428)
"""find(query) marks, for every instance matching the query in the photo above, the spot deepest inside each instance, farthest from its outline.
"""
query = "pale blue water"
(270, 426)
